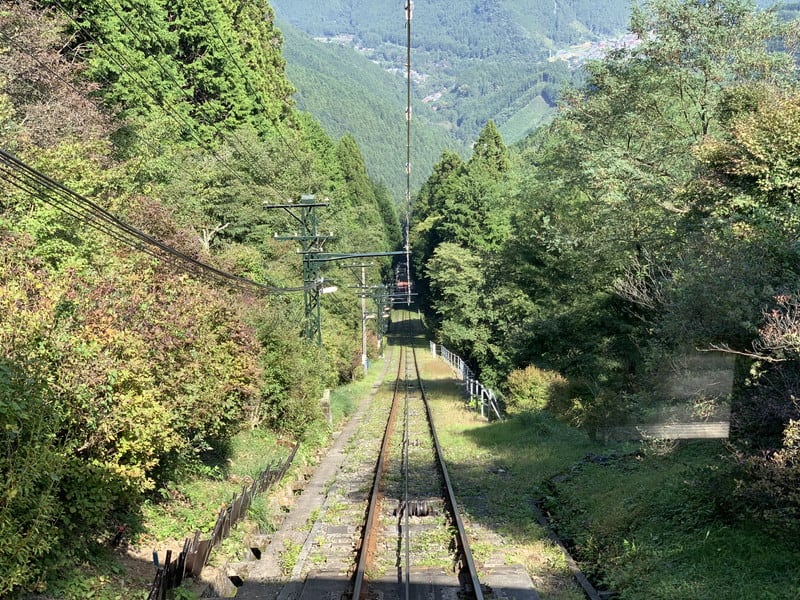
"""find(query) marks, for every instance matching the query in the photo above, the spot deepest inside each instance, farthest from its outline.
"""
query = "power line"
(29, 180)
(25, 185)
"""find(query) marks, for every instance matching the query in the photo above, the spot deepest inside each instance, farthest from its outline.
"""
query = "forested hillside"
(473, 61)
(350, 94)
(146, 312)
(652, 224)
(503, 60)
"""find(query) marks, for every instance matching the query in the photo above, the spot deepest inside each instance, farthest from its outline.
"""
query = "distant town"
(579, 54)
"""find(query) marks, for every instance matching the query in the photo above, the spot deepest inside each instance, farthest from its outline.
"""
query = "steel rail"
(406, 527)
(468, 569)
(370, 531)
(467, 575)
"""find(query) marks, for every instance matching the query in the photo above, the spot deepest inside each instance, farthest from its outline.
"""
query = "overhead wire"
(27, 179)
(10, 176)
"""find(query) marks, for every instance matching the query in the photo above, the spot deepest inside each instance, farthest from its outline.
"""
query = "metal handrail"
(481, 396)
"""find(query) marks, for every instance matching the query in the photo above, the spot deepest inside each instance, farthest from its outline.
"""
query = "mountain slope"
(350, 94)
(473, 61)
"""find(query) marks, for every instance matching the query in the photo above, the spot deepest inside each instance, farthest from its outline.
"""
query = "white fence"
(481, 397)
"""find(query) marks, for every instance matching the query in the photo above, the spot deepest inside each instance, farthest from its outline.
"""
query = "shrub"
(29, 467)
(294, 377)
(535, 389)
(768, 483)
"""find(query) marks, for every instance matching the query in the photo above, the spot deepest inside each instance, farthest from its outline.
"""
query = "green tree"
(205, 65)
(360, 224)
(260, 42)
(614, 178)
(465, 203)
(489, 154)
(388, 211)
(457, 287)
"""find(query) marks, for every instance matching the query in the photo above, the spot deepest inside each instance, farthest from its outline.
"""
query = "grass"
(657, 525)
(498, 470)
(650, 521)
(345, 399)
(194, 504)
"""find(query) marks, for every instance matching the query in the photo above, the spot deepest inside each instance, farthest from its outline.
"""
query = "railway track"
(414, 544)
(379, 520)
(376, 520)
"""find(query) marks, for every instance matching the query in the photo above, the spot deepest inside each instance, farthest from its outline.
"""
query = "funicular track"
(380, 518)
(413, 542)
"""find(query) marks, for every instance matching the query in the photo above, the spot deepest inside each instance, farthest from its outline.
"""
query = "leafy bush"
(294, 377)
(29, 467)
(534, 389)
(766, 427)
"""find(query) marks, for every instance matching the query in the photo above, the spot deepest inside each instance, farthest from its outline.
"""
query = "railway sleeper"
(419, 508)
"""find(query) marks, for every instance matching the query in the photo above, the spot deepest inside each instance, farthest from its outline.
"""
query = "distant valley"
(486, 59)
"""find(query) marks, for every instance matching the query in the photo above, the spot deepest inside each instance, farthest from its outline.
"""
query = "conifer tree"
(489, 154)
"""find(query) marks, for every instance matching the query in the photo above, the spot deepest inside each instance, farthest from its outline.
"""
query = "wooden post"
(326, 406)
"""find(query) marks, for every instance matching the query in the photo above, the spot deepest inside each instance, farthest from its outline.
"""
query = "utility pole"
(312, 245)
(383, 302)
(362, 288)
(312, 248)
(364, 319)
(409, 17)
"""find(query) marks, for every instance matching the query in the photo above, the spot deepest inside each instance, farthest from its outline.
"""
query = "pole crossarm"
(333, 256)
(289, 206)
(306, 201)
(311, 249)
(303, 238)
(311, 244)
